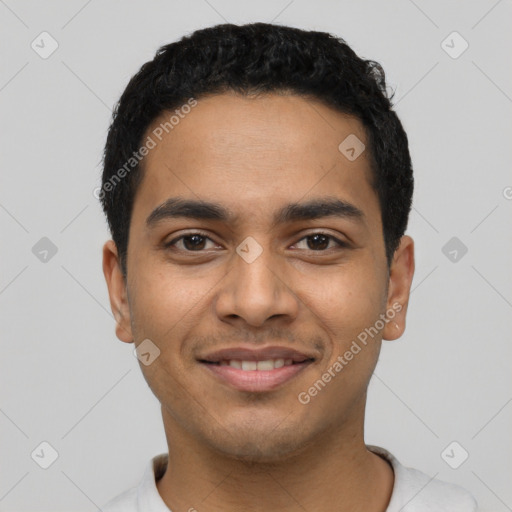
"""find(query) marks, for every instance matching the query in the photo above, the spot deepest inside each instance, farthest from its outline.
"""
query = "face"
(265, 274)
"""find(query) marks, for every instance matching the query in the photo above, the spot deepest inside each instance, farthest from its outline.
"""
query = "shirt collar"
(148, 497)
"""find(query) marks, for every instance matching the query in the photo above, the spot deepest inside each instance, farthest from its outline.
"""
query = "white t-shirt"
(413, 491)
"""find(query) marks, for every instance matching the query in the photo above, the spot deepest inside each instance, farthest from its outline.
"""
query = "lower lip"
(256, 380)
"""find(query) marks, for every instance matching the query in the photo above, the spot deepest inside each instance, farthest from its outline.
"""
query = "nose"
(256, 292)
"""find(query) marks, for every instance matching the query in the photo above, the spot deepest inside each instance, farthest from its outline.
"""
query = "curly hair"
(251, 59)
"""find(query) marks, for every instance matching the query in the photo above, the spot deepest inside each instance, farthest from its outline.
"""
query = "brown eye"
(320, 242)
(194, 242)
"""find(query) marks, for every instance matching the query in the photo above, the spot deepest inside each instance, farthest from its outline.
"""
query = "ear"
(400, 280)
(117, 291)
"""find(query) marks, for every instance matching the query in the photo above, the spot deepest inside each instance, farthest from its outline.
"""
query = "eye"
(197, 242)
(320, 242)
(192, 242)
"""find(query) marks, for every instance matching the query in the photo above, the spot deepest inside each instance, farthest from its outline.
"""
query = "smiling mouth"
(251, 365)
(255, 376)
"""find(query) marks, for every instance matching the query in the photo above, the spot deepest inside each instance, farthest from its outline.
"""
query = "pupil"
(197, 239)
(319, 242)
(316, 238)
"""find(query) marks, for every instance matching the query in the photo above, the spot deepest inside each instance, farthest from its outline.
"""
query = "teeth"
(264, 365)
(249, 365)
(267, 365)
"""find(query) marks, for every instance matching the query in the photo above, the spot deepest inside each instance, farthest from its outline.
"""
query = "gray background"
(67, 380)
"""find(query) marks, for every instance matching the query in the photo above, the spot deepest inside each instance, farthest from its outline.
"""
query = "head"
(284, 140)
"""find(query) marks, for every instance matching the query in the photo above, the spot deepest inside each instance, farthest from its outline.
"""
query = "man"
(257, 186)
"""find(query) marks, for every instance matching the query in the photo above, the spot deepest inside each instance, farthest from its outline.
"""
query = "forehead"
(250, 153)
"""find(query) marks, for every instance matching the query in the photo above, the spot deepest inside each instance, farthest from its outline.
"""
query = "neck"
(335, 472)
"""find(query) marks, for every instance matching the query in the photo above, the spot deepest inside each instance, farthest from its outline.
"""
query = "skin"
(232, 450)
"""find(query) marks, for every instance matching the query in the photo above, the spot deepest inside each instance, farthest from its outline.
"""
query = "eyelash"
(169, 245)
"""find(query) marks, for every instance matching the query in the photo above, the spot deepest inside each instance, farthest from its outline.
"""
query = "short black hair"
(248, 59)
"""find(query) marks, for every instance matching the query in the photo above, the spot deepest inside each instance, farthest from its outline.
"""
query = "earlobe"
(117, 291)
(400, 280)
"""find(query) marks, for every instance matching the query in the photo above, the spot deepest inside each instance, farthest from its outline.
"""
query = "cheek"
(346, 304)
(168, 308)
(346, 300)
(161, 304)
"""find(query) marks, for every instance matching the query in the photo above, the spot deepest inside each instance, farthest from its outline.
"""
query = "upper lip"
(256, 354)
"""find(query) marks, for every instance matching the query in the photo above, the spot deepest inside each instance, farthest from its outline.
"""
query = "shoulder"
(124, 502)
(143, 496)
(415, 491)
(427, 493)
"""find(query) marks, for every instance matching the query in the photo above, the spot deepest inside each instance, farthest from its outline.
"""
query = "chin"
(261, 447)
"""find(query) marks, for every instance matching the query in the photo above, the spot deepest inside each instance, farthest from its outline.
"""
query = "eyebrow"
(176, 207)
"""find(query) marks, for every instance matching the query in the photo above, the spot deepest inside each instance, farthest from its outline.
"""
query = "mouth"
(251, 365)
(256, 370)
